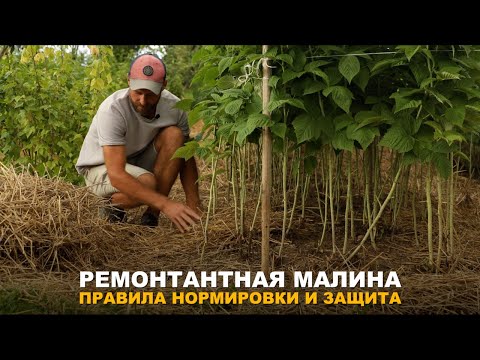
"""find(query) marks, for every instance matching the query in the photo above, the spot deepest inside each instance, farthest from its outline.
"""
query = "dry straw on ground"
(50, 230)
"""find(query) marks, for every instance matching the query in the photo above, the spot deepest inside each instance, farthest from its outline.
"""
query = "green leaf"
(243, 129)
(279, 129)
(274, 104)
(321, 74)
(315, 64)
(471, 93)
(361, 80)
(425, 83)
(341, 96)
(467, 48)
(445, 75)
(427, 53)
(200, 55)
(312, 148)
(194, 116)
(422, 151)
(299, 59)
(277, 146)
(184, 104)
(386, 63)
(225, 130)
(342, 142)
(405, 103)
(397, 139)
(248, 88)
(409, 123)
(456, 115)
(452, 69)
(343, 121)
(419, 71)
(187, 150)
(285, 58)
(30, 130)
(440, 98)
(441, 146)
(409, 158)
(364, 136)
(258, 120)
(452, 136)
(226, 82)
(364, 118)
(434, 125)
(224, 63)
(277, 103)
(100, 84)
(255, 106)
(289, 75)
(442, 164)
(271, 53)
(462, 155)
(349, 67)
(306, 128)
(296, 102)
(210, 76)
(216, 97)
(409, 50)
(272, 82)
(310, 163)
(384, 110)
(313, 87)
(334, 76)
(233, 106)
(235, 93)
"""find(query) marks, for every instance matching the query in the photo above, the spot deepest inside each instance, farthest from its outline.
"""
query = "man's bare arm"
(115, 159)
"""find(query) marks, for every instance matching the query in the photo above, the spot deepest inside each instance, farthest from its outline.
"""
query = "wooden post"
(266, 168)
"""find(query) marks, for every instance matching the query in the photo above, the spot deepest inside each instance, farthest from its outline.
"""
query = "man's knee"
(148, 180)
(171, 136)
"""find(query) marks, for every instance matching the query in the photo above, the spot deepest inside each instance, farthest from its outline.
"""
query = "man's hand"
(181, 215)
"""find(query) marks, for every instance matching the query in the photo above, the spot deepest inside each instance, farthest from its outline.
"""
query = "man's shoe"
(117, 215)
(114, 214)
(149, 219)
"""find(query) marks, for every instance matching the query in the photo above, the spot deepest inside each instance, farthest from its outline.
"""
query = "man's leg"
(97, 180)
(122, 201)
(166, 169)
(189, 177)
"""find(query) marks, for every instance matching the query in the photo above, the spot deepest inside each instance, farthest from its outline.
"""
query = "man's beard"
(146, 111)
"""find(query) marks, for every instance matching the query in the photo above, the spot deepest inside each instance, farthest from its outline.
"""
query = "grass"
(19, 301)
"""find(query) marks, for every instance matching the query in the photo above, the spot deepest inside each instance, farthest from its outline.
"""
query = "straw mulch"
(50, 231)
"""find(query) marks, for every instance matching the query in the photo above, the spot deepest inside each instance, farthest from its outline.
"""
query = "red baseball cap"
(147, 72)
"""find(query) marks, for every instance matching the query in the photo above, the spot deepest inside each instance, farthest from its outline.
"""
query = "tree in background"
(123, 55)
(48, 97)
(180, 69)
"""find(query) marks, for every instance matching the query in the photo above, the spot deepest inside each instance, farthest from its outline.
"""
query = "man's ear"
(128, 80)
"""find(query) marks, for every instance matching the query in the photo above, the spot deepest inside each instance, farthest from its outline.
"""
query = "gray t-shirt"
(117, 123)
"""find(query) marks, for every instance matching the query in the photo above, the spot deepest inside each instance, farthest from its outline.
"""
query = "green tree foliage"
(123, 55)
(419, 100)
(48, 98)
(180, 68)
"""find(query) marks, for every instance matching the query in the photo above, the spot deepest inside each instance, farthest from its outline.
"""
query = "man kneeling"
(127, 153)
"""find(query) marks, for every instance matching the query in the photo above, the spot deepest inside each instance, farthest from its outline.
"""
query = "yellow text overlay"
(241, 297)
